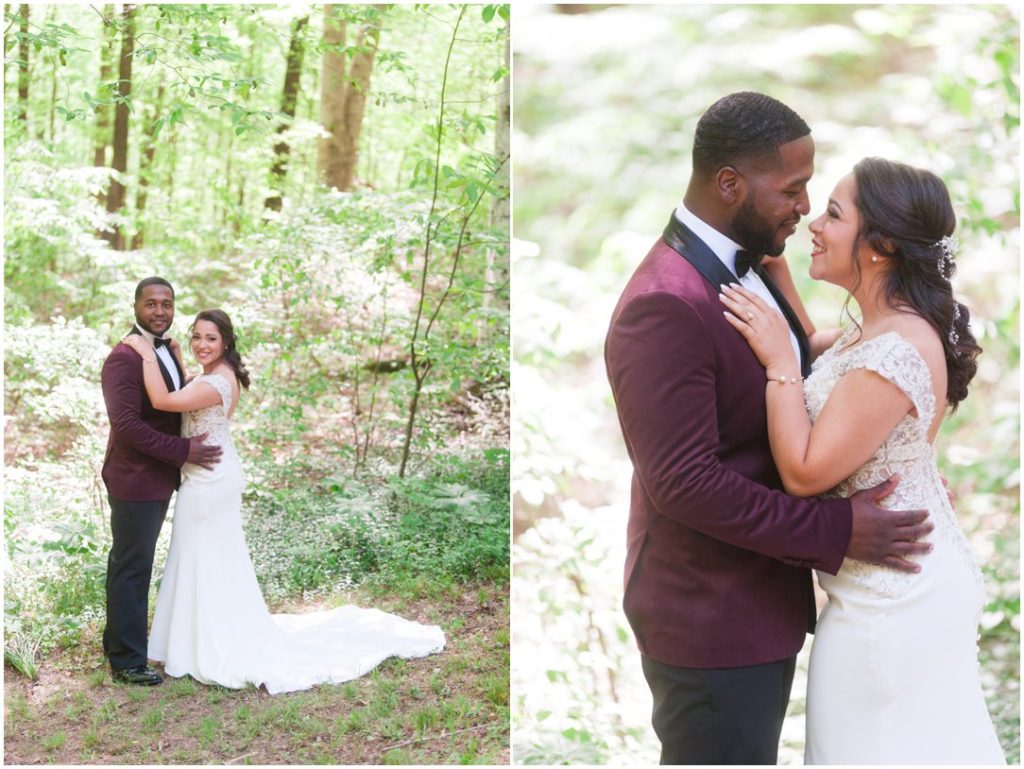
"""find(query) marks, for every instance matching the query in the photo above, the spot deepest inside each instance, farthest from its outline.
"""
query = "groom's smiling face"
(154, 309)
(775, 199)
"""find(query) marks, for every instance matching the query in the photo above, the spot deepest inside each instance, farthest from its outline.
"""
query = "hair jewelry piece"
(949, 246)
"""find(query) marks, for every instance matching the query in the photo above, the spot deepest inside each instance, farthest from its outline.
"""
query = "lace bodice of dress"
(212, 419)
(906, 451)
(895, 359)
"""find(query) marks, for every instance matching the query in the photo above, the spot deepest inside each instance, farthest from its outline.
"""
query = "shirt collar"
(146, 334)
(723, 247)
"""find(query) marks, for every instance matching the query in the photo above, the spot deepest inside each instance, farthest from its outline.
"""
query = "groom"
(717, 582)
(141, 470)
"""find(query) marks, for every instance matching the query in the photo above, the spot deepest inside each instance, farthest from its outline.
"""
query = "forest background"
(605, 107)
(336, 179)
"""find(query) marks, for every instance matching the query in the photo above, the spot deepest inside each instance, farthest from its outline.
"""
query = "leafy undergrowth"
(448, 708)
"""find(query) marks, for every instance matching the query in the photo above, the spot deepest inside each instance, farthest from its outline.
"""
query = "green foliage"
(45, 402)
(52, 253)
(425, 533)
(452, 525)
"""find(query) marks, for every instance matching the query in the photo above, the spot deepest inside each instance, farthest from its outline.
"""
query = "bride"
(211, 621)
(893, 675)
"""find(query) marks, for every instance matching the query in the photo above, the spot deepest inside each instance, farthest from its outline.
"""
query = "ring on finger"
(750, 316)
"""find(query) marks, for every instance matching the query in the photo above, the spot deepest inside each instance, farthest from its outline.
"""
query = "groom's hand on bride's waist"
(886, 536)
(201, 454)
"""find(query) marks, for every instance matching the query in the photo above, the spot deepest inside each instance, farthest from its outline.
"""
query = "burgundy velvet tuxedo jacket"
(718, 557)
(144, 451)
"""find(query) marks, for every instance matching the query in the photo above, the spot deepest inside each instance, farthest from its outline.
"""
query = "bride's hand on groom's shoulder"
(137, 342)
(764, 328)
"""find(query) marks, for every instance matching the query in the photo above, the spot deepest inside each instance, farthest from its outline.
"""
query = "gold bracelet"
(786, 379)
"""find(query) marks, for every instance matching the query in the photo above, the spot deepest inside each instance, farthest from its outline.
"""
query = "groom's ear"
(730, 185)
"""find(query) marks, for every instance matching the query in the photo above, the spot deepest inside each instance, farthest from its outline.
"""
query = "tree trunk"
(23, 51)
(289, 98)
(332, 92)
(99, 153)
(119, 161)
(343, 100)
(355, 100)
(146, 166)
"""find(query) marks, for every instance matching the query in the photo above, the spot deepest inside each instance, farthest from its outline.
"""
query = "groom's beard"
(154, 332)
(754, 232)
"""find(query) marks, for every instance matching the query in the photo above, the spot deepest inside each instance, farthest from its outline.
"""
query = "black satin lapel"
(166, 374)
(685, 242)
(792, 319)
(163, 368)
(177, 366)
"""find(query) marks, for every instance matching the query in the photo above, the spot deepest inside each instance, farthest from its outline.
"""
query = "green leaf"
(488, 13)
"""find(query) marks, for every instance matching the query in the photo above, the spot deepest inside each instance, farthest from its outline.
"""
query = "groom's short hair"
(152, 281)
(741, 126)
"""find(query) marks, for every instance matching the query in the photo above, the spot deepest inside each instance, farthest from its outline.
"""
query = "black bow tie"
(745, 260)
(158, 342)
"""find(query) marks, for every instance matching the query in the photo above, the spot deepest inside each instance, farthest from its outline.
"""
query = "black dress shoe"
(141, 675)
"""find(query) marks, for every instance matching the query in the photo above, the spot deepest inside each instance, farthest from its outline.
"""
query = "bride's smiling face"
(835, 233)
(207, 343)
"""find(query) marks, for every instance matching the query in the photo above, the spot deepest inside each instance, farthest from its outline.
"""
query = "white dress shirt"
(164, 353)
(725, 249)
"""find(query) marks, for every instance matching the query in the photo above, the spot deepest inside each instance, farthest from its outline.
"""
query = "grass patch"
(443, 709)
(54, 742)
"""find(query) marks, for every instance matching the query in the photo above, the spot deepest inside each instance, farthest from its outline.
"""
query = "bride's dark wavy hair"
(904, 213)
(220, 319)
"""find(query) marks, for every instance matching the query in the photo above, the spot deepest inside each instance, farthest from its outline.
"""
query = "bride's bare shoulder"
(926, 340)
(228, 373)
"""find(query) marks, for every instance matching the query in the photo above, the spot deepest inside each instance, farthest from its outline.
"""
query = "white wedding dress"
(893, 676)
(211, 621)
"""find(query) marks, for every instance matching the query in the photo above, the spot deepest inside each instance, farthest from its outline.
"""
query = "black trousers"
(721, 716)
(136, 527)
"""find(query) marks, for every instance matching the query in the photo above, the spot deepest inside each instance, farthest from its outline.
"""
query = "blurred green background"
(606, 99)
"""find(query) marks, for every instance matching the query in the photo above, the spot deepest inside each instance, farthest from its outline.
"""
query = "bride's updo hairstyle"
(906, 215)
(220, 319)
